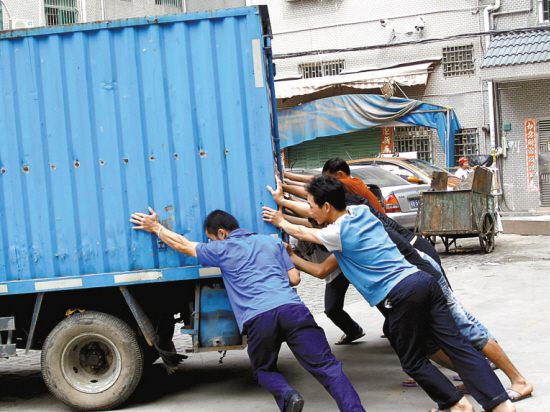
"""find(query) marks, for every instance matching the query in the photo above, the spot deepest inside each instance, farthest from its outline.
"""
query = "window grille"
(545, 10)
(458, 61)
(466, 143)
(321, 69)
(171, 3)
(413, 139)
(60, 12)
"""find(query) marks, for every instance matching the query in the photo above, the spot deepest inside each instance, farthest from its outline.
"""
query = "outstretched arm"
(150, 223)
(276, 218)
(301, 208)
(298, 178)
(318, 270)
(299, 191)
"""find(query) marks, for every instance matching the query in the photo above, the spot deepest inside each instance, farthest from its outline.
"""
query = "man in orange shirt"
(339, 169)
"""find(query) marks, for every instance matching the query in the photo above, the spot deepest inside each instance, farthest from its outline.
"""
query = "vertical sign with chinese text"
(387, 140)
(531, 142)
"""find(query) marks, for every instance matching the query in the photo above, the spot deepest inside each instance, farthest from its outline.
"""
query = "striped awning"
(408, 75)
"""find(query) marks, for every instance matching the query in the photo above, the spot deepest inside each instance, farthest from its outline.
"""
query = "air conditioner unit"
(15, 24)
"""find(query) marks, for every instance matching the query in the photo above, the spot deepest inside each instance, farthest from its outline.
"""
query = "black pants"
(415, 310)
(335, 294)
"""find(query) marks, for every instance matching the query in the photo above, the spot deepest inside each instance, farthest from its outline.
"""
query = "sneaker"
(293, 402)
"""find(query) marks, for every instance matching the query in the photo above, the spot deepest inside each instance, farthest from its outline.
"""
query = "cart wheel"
(487, 233)
(92, 361)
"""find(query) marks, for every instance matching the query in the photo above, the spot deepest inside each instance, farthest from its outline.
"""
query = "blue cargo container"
(98, 121)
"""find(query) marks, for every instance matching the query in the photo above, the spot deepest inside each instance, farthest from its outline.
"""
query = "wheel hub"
(91, 363)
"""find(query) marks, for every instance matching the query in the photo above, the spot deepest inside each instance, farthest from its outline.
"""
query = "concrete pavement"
(508, 290)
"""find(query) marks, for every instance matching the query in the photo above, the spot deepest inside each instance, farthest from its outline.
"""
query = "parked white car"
(401, 199)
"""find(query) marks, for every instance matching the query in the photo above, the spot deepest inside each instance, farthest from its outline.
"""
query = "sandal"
(346, 340)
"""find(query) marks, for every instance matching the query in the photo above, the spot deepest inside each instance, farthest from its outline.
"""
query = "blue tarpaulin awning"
(348, 113)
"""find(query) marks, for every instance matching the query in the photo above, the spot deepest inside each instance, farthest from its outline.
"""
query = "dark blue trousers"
(415, 310)
(335, 294)
(294, 325)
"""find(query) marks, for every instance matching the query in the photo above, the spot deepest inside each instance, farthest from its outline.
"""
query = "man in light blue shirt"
(258, 274)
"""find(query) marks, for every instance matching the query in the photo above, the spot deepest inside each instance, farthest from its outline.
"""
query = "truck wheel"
(92, 361)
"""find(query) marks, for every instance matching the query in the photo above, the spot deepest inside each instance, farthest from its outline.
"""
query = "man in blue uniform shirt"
(258, 274)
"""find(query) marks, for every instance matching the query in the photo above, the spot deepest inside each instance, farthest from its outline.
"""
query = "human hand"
(278, 192)
(149, 223)
(289, 248)
(275, 217)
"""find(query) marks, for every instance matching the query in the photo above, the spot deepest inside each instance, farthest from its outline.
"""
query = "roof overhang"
(519, 55)
(405, 75)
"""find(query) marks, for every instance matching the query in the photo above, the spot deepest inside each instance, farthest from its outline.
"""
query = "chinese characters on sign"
(531, 142)
(387, 140)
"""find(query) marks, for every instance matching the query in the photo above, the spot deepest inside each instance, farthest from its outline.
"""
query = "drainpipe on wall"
(83, 14)
(103, 16)
(490, 84)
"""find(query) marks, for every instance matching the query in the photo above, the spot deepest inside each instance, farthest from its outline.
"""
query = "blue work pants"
(294, 324)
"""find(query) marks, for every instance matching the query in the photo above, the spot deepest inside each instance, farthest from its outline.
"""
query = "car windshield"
(426, 167)
(375, 176)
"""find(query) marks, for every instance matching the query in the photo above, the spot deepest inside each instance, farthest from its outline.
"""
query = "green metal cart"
(457, 214)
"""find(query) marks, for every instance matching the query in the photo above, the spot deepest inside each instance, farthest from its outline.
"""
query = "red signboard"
(387, 140)
(531, 142)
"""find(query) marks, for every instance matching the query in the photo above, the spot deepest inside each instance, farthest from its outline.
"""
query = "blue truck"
(101, 120)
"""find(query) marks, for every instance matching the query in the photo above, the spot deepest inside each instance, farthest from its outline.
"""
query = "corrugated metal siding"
(314, 153)
(96, 124)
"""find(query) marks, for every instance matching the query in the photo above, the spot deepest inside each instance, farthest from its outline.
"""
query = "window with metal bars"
(413, 139)
(171, 3)
(466, 143)
(60, 12)
(458, 61)
(321, 69)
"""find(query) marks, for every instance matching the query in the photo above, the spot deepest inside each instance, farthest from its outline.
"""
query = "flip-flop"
(346, 340)
(411, 383)
(516, 396)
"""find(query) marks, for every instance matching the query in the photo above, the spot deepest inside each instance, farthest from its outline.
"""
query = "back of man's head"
(327, 189)
(335, 165)
(219, 219)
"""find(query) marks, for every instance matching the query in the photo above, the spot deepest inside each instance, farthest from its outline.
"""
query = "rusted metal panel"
(446, 212)
(455, 212)
(101, 120)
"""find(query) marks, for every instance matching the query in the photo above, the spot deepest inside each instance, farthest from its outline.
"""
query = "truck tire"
(92, 361)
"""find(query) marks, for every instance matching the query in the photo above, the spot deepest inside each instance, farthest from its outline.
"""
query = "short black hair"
(336, 165)
(327, 189)
(219, 219)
